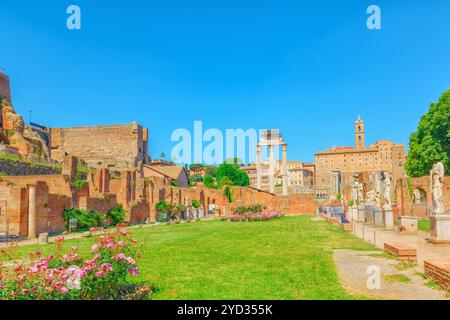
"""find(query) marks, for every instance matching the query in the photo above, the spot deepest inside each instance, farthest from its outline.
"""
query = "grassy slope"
(290, 258)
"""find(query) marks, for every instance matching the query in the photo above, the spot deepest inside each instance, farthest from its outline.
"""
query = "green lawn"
(289, 258)
(424, 225)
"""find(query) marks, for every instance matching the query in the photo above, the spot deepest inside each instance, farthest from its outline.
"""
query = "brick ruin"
(416, 200)
(119, 146)
(30, 205)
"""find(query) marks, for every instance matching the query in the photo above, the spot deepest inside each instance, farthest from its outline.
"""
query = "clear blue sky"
(306, 67)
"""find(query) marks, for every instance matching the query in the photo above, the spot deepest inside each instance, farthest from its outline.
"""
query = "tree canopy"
(431, 142)
(237, 177)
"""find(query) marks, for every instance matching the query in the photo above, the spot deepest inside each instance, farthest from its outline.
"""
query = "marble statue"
(387, 188)
(436, 184)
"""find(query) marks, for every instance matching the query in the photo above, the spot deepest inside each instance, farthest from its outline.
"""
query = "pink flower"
(35, 288)
(130, 261)
(119, 256)
(93, 229)
(14, 294)
(74, 248)
(33, 270)
(64, 290)
(64, 277)
(134, 272)
(25, 291)
(101, 273)
(124, 233)
(60, 239)
(1, 286)
(106, 267)
(95, 248)
(59, 284)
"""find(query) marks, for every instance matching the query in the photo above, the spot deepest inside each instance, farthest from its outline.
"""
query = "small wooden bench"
(438, 270)
(401, 251)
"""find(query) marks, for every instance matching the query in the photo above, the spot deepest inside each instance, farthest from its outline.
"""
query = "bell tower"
(359, 133)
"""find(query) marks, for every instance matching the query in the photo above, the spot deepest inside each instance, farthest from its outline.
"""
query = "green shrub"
(79, 182)
(256, 208)
(196, 204)
(117, 215)
(86, 219)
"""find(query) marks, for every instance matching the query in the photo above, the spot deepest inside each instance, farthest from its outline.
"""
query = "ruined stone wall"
(12, 167)
(121, 146)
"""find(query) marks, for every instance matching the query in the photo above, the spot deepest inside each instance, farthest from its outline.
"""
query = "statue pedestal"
(361, 214)
(353, 213)
(378, 217)
(408, 224)
(388, 218)
(439, 229)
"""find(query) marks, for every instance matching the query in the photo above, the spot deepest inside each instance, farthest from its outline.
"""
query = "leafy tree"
(196, 178)
(237, 177)
(210, 170)
(117, 215)
(236, 161)
(431, 142)
(209, 181)
(196, 166)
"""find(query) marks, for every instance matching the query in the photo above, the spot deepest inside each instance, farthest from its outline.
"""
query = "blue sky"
(306, 67)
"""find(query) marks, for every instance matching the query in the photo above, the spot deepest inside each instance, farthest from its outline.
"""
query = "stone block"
(408, 224)
(440, 229)
(43, 238)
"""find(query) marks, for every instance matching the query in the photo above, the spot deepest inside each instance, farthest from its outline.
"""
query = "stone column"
(272, 168)
(258, 168)
(284, 171)
(32, 211)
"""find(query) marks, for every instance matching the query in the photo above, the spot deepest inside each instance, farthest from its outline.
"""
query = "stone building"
(118, 146)
(335, 167)
(299, 175)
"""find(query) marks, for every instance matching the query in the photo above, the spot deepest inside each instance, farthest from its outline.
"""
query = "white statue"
(387, 188)
(372, 196)
(360, 190)
(436, 182)
(376, 187)
(417, 196)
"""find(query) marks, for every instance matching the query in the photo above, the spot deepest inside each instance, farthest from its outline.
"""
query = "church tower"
(359, 133)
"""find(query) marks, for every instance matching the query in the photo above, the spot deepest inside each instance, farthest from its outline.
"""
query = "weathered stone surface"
(120, 146)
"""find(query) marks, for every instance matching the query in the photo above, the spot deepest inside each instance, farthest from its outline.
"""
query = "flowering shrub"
(261, 216)
(68, 276)
(249, 209)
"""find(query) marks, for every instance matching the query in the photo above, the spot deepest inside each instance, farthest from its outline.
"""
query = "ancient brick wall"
(24, 168)
(122, 146)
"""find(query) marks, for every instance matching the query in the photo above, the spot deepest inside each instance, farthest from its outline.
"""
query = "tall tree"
(431, 142)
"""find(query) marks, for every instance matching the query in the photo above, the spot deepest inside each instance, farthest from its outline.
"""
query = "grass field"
(289, 258)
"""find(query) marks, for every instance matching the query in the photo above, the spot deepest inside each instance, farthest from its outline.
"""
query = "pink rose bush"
(68, 276)
(255, 216)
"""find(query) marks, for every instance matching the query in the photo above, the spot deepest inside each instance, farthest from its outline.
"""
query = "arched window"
(359, 128)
